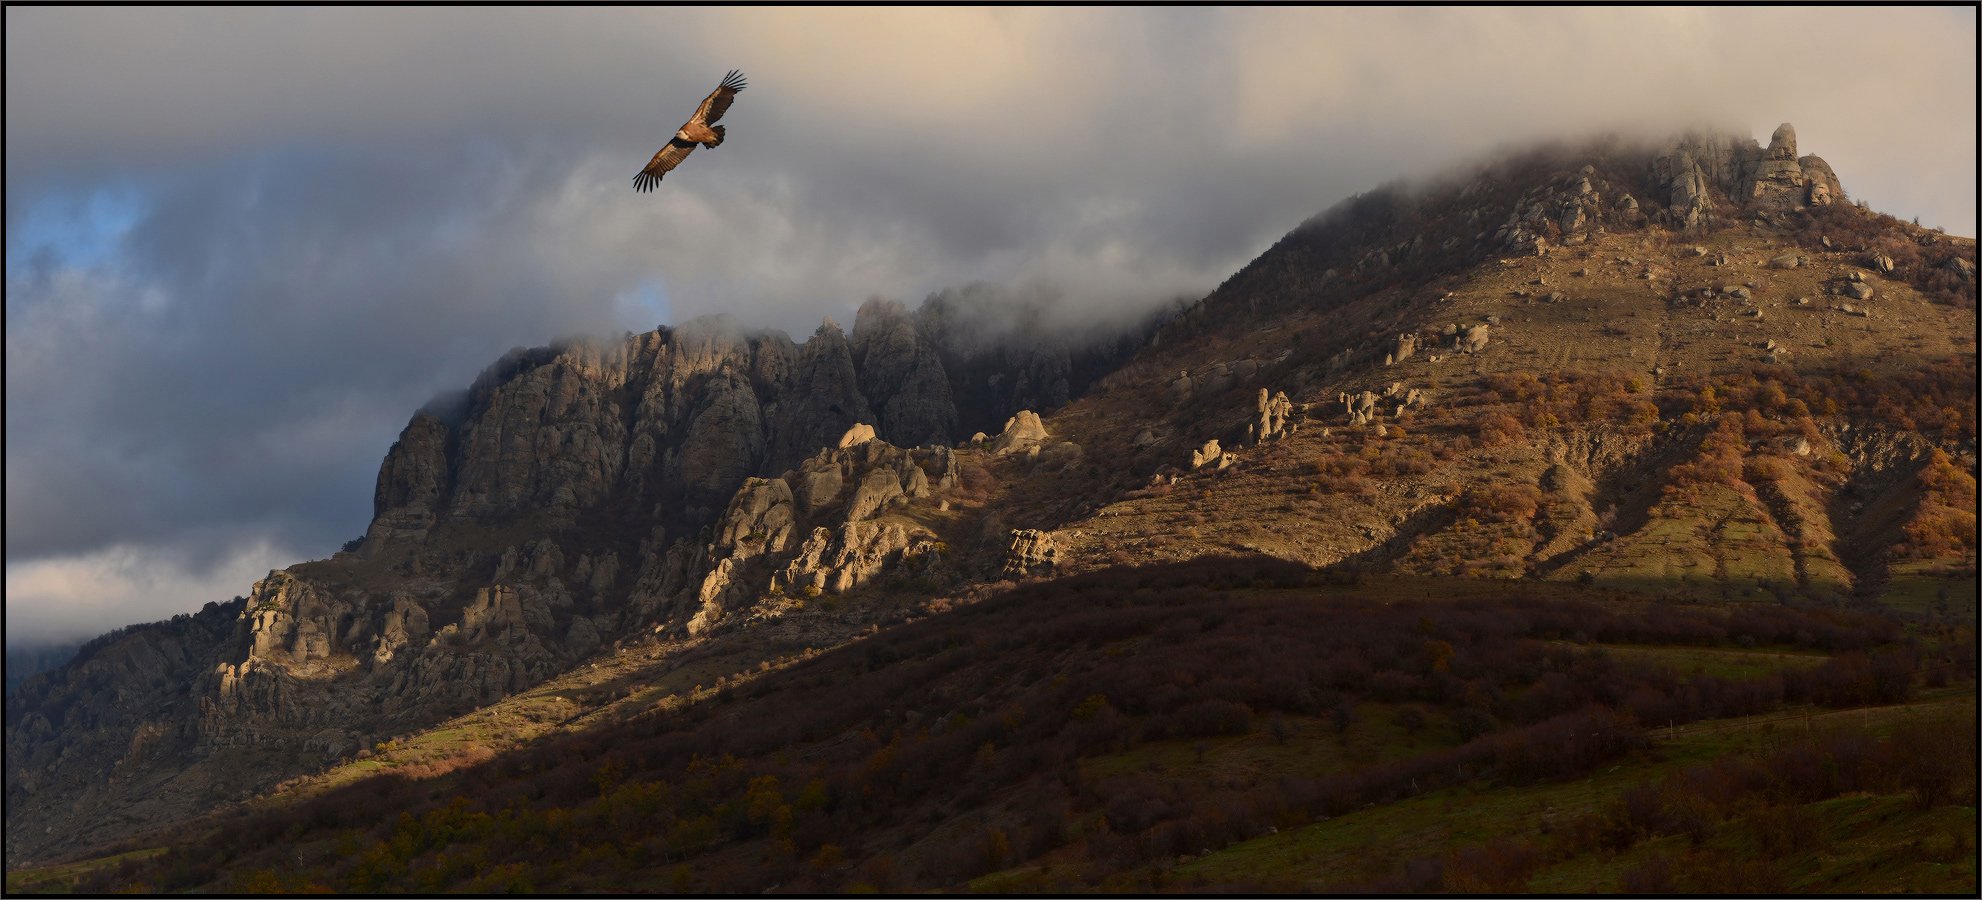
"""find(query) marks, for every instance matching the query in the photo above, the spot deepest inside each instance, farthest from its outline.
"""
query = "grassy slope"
(1373, 843)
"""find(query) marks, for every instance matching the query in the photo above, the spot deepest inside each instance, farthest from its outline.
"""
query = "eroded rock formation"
(1031, 552)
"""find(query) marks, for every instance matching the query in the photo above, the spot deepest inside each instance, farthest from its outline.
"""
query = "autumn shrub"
(1511, 502)
(1399, 461)
(1938, 398)
(1718, 461)
(1943, 525)
(1498, 428)
(1767, 470)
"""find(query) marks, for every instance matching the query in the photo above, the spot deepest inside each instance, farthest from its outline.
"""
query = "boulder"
(859, 434)
(879, 488)
(1474, 339)
(1824, 189)
(915, 482)
(1402, 348)
(1209, 453)
(1022, 432)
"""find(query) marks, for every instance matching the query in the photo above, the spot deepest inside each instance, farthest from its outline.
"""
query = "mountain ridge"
(1436, 382)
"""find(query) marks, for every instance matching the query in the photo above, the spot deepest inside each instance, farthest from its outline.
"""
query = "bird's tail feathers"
(721, 132)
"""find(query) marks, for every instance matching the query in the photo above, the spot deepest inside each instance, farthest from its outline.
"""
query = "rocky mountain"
(1695, 370)
(566, 500)
(1616, 364)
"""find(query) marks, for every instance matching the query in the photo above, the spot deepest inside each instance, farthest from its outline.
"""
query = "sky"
(244, 245)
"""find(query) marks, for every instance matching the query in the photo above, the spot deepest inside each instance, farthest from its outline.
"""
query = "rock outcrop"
(1270, 418)
(1031, 552)
(1022, 432)
(1361, 407)
(850, 536)
(1568, 208)
(839, 560)
(1705, 177)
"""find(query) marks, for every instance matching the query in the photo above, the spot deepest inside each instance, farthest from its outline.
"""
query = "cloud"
(1431, 88)
(244, 244)
(78, 596)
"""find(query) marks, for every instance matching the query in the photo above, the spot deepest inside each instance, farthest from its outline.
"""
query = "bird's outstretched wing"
(718, 101)
(662, 163)
(678, 148)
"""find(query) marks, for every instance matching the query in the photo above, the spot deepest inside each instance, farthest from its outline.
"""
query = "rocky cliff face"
(836, 521)
(671, 422)
(567, 499)
(1705, 176)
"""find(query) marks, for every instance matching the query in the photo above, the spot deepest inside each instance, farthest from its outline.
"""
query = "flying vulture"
(701, 129)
